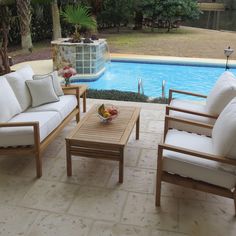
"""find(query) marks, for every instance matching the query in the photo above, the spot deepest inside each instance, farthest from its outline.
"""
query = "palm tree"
(5, 20)
(79, 16)
(56, 20)
(55, 16)
(24, 13)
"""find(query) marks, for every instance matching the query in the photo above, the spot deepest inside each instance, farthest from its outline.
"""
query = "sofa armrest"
(35, 126)
(171, 91)
(19, 124)
(202, 155)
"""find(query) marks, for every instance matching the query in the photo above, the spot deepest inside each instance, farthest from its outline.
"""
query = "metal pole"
(163, 89)
(226, 65)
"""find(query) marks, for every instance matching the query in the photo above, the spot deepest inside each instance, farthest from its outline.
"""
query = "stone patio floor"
(92, 203)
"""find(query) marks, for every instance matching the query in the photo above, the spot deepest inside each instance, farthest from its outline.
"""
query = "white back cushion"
(55, 80)
(17, 81)
(9, 106)
(224, 131)
(222, 93)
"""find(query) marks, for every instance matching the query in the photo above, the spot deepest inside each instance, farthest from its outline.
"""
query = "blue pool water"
(124, 76)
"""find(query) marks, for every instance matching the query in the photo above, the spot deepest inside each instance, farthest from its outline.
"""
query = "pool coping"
(190, 61)
(46, 66)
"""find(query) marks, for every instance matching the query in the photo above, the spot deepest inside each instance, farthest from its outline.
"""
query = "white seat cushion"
(15, 136)
(222, 93)
(9, 106)
(194, 167)
(17, 81)
(191, 106)
(66, 105)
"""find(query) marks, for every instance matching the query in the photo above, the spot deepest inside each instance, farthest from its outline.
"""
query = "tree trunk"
(138, 21)
(56, 20)
(24, 13)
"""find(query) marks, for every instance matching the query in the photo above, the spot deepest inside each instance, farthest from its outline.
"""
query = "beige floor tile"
(48, 165)
(218, 199)
(90, 173)
(149, 114)
(135, 179)
(110, 229)
(131, 156)
(172, 190)
(51, 196)
(49, 224)
(166, 233)
(204, 218)
(155, 126)
(148, 159)
(146, 140)
(15, 220)
(13, 188)
(13, 165)
(98, 203)
(140, 210)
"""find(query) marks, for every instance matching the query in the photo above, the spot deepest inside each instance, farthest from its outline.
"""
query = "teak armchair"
(221, 94)
(195, 161)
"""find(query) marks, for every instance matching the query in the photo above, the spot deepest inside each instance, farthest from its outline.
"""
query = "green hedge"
(121, 96)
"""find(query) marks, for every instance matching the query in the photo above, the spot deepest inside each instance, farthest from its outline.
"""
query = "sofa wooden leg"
(38, 160)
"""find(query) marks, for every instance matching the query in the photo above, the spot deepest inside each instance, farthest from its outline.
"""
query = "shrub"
(121, 96)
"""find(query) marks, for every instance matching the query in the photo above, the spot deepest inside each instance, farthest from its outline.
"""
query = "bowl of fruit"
(107, 112)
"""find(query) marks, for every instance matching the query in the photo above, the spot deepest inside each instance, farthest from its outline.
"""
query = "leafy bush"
(121, 96)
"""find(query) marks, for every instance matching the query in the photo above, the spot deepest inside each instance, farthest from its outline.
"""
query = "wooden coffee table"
(94, 139)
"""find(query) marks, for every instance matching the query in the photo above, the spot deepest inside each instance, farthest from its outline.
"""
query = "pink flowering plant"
(66, 72)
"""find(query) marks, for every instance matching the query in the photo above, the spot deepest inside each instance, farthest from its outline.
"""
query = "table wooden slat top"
(116, 132)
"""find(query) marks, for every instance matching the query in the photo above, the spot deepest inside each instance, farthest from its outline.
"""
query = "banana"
(101, 110)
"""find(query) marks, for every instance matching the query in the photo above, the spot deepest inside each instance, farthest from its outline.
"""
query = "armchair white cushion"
(17, 82)
(222, 143)
(9, 106)
(223, 91)
(221, 94)
(208, 171)
(224, 131)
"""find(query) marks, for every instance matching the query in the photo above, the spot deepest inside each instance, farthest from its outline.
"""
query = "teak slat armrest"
(171, 91)
(180, 120)
(171, 108)
(183, 121)
(19, 124)
(202, 155)
(73, 89)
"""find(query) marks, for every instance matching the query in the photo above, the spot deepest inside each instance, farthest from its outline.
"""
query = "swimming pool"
(124, 76)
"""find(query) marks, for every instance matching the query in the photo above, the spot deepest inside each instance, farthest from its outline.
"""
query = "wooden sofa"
(38, 145)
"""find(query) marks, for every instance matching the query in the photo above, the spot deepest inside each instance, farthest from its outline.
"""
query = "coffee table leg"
(121, 166)
(84, 102)
(68, 159)
(137, 127)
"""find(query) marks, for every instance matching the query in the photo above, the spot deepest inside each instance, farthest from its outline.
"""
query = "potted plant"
(80, 17)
